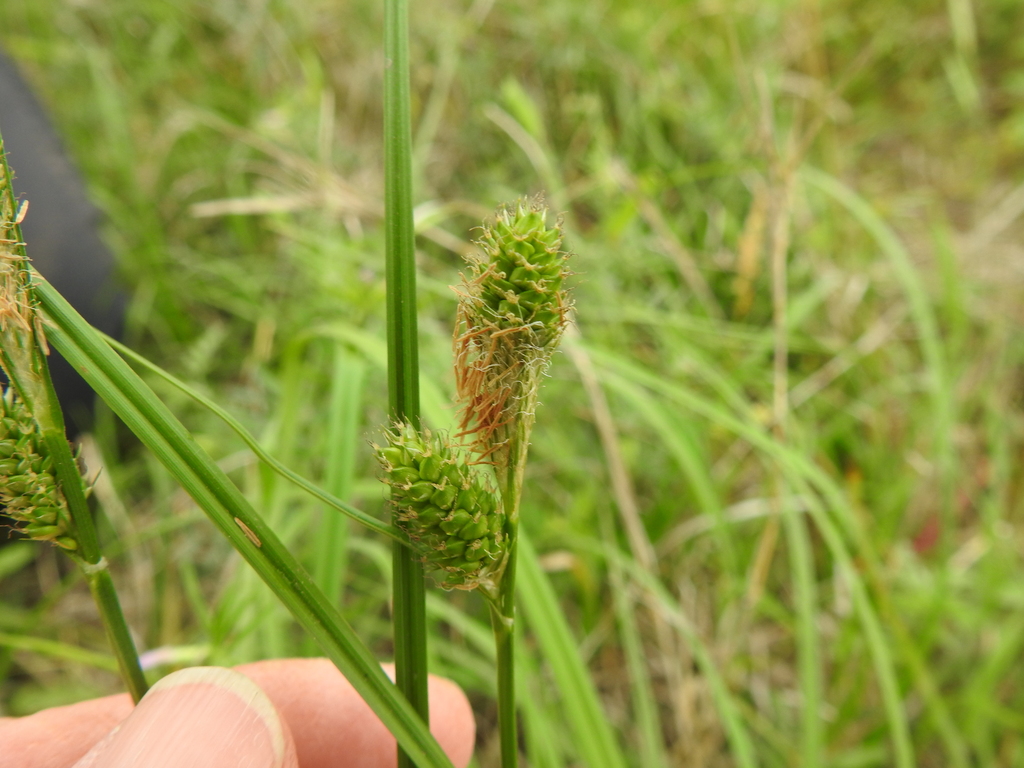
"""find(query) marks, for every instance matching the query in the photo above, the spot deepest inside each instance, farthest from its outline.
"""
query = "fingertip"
(451, 720)
(199, 716)
(59, 736)
(334, 728)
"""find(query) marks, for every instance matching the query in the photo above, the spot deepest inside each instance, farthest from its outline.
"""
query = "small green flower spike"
(513, 309)
(28, 486)
(520, 282)
(450, 513)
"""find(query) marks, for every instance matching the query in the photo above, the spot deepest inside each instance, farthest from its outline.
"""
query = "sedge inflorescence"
(452, 516)
(517, 284)
(28, 485)
(511, 315)
(513, 309)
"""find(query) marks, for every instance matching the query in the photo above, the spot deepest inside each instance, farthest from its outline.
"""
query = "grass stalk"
(409, 595)
(24, 360)
(342, 438)
(262, 454)
(232, 514)
(503, 612)
(504, 646)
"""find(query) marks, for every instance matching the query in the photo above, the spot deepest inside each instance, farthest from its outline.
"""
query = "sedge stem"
(503, 612)
(23, 358)
(504, 644)
(50, 417)
(102, 587)
(409, 592)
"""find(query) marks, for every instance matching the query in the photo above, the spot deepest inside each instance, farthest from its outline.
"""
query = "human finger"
(201, 717)
(328, 721)
(334, 728)
(57, 737)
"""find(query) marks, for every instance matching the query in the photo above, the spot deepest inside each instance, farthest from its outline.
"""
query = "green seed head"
(517, 283)
(445, 505)
(28, 488)
(513, 308)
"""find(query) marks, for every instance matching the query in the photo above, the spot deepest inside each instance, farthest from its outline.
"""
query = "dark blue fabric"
(60, 229)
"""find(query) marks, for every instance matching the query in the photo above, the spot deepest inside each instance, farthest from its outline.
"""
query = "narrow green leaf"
(804, 473)
(328, 498)
(645, 703)
(809, 656)
(932, 347)
(410, 620)
(130, 398)
(58, 650)
(342, 437)
(736, 731)
(593, 736)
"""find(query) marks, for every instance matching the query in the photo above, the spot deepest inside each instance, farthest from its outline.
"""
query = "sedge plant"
(409, 599)
(43, 488)
(41, 485)
(32, 415)
(512, 312)
(664, 125)
(455, 500)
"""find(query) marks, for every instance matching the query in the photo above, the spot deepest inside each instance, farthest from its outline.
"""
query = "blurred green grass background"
(774, 483)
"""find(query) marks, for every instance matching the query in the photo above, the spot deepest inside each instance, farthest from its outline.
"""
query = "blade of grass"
(805, 595)
(645, 707)
(592, 734)
(645, 704)
(271, 634)
(409, 596)
(341, 438)
(691, 461)
(944, 422)
(736, 731)
(925, 322)
(803, 471)
(156, 427)
(253, 444)
(540, 718)
(58, 650)
(802, 571)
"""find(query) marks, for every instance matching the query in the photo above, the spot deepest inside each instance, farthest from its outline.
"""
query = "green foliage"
(235, 152)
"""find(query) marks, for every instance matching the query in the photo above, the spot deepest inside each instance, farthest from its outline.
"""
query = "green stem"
(102, 587)
(47, 413)
(504, 645)
(503, 609)
(409, 597)
(24, 360)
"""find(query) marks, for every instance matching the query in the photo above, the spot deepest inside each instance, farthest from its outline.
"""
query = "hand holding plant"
(284, 712)
(512, 312)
